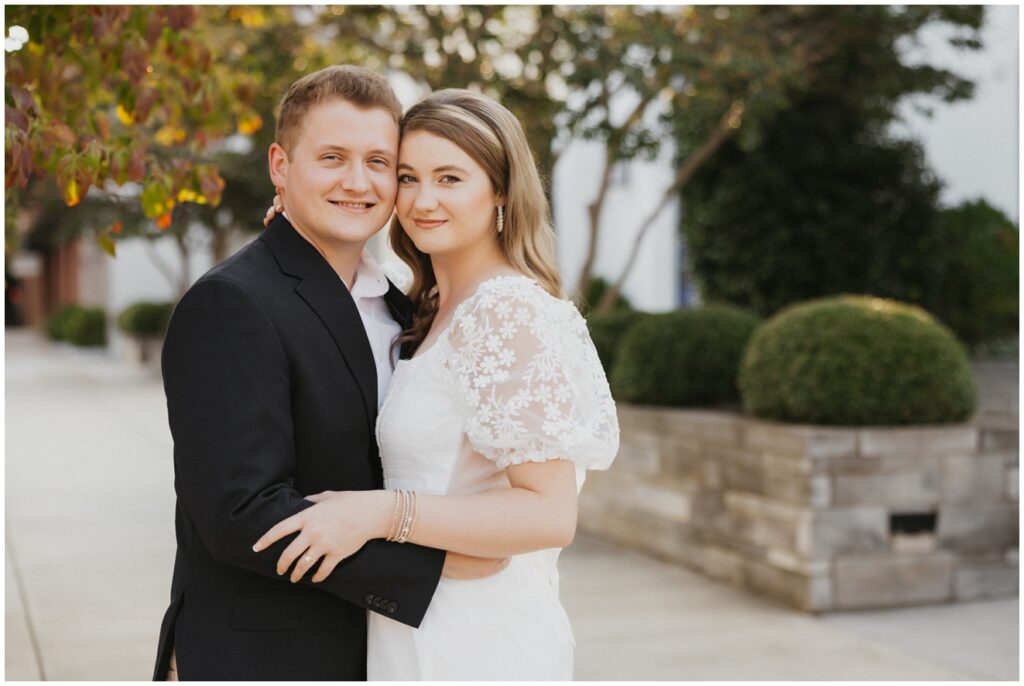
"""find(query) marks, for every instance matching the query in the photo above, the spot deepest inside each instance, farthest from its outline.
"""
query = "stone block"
(842, 531)
(723, 564)
(977, 527)
(820, 595)
(712, 474)
(639, 452)
(821, 491)
(719, 428)
(1013, 484)
(973, 477)
(950, 440)
(781, 463)
(669, 504)
(832, 443)
(788, 587)
(892, 442)
(902, 490)
(784, 559)
(741, 470)
(999, 439)
(913, 544)
(682, 461)
(889, 580)
(985, 580)
(790, 488)
(776, 438)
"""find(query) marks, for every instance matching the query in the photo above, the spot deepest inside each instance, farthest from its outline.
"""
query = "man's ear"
(277, 160)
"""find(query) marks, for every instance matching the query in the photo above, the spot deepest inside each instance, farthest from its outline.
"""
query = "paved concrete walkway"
(90, 544)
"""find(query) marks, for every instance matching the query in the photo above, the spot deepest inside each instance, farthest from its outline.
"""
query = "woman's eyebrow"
(436, 170)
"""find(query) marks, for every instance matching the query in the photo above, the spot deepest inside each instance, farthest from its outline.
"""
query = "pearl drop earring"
(501, 219)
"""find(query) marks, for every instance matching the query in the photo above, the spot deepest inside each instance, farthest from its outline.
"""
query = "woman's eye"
(406, 178)
(448, 178)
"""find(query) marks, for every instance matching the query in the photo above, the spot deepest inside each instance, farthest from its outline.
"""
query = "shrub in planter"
(145, 318)
(683, 358)
(853, 360)
(87, 326)
(57, 324)
(607, 332)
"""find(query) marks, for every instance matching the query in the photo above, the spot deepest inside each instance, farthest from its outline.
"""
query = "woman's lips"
(429, 223)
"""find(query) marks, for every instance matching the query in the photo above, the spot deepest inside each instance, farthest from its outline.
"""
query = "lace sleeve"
(529, 379)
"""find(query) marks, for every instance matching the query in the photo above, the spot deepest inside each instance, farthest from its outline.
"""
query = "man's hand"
(467, 567)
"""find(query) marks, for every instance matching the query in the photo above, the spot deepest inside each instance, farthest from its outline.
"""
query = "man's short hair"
(362, 87)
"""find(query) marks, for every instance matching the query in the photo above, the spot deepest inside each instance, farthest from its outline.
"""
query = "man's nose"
(354, 179)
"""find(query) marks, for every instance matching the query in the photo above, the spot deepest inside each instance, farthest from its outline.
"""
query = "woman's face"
(446, 202)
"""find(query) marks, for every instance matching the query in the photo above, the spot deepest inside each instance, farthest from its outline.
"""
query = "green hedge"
(57, 324)
(85, 326)
(145, 318)
(856, 360)
(607, 332)
(683, 358)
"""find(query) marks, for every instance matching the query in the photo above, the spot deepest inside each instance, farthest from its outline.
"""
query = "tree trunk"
(726, 125)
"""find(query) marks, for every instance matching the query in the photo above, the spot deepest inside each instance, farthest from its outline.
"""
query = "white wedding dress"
(514, 378)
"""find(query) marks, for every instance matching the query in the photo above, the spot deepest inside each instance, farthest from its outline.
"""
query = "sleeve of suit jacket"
(228, 401)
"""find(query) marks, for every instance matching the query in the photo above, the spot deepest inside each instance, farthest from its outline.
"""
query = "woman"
(487, 429)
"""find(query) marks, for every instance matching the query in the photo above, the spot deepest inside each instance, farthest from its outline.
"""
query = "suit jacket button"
(369, 598)
(392, 607)
(378, 603)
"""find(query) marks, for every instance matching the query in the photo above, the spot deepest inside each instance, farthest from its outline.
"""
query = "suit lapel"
(325, 293)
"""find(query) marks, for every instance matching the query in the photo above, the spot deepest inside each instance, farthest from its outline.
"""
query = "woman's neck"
(458, 274)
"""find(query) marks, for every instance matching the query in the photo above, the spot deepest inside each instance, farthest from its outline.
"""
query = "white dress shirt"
(381, 329)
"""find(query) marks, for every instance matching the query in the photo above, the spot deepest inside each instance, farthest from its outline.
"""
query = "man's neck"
(344, 258)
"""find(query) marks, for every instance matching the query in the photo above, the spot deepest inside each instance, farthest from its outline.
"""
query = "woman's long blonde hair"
(492, 136)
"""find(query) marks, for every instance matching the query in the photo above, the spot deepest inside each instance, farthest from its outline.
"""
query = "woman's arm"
(537, 512)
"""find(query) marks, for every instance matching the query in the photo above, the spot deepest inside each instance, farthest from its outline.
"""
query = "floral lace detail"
(524, 368)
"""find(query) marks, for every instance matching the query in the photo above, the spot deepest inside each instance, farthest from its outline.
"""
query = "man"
(274, 365)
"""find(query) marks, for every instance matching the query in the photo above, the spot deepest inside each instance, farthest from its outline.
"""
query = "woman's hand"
(275, 209)
(338, 525)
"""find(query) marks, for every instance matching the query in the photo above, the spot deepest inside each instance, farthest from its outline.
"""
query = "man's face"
(339, 180)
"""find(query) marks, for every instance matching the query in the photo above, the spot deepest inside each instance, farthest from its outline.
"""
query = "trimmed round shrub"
(607, 332)
(856, 360)
(145, 318)
(683, 358)
(57, 324)
(87, 326)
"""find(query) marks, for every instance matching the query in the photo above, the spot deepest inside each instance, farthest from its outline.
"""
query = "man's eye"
(380, 161)
(332, 157)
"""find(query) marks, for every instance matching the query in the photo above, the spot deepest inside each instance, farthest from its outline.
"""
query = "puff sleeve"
(528, 378)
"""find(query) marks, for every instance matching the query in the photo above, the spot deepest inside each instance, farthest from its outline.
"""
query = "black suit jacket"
(271, 395)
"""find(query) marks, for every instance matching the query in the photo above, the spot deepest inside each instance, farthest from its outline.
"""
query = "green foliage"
(145, 318)
(57, 324)
(822, 201)
(607, 332)
(683, 358)
(855, 360)
(820, 207)
(596, 288)
(978, 294)
(88, 327)
(84, 326)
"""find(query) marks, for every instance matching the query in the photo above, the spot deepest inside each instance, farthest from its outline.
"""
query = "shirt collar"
(371, 282)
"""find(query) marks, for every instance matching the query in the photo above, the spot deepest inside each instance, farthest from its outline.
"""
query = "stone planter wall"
(818, 518)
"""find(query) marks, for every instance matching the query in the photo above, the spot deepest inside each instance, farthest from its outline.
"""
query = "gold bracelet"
(394, 517)
(415, 515)
(409, 518)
